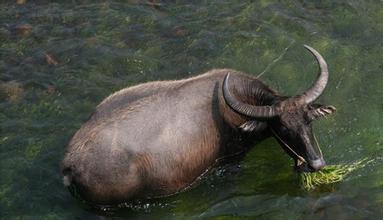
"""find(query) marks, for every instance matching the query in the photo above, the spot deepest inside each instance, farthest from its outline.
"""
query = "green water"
(59, 60)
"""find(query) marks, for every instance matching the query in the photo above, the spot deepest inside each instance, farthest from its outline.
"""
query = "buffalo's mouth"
(311, 166)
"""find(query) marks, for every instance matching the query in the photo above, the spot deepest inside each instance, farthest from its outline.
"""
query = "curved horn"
(243, 108)
(317, 88)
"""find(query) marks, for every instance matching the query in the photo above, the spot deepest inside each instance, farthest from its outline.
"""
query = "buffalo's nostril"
(317, 164)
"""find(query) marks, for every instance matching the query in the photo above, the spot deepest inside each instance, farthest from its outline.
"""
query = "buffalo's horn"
(243, 108)
(317, 88)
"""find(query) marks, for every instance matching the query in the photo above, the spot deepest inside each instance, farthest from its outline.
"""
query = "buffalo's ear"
(317, 111)
(253, 126)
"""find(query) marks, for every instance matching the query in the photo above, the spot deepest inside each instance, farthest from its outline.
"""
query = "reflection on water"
(59, 60)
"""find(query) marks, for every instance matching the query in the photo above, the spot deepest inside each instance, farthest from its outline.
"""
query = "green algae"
(330, 174)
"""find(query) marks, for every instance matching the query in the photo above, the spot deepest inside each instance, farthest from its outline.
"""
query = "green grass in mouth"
(329, 174)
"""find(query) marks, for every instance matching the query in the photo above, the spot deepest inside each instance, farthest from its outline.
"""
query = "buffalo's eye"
(283, 129)
(308, 118)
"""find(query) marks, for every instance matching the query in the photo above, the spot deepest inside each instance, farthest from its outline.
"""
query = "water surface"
(59, 60)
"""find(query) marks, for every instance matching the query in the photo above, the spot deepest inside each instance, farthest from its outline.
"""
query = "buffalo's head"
(289, 118)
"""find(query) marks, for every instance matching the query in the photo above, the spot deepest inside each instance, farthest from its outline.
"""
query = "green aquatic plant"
(330, 174)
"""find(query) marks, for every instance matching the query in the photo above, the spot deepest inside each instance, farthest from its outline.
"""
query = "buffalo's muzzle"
(317, 164)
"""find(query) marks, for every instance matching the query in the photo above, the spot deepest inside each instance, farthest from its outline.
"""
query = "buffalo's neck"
(240, 141)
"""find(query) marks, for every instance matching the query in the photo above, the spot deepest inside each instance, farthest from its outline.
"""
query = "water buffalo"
(156, 138)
